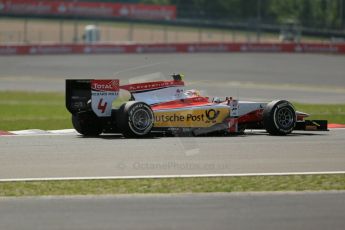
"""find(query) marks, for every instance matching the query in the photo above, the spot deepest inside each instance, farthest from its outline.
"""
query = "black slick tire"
(279, 118)
(87, 124)
(135, 119)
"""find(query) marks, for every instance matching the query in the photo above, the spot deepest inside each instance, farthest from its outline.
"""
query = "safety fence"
(171, 48)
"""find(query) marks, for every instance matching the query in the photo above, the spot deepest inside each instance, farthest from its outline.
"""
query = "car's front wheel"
(279, 117)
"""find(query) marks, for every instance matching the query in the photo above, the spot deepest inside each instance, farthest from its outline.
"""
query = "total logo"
(106, 86)
(101, 86)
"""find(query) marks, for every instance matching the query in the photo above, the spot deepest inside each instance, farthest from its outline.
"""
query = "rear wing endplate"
(78, 94)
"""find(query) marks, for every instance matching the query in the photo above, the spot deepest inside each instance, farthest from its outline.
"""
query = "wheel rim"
(141, 120)
(285, 118)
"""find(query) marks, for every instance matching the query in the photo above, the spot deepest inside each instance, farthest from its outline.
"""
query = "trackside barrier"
(33, 49)
(87, 9)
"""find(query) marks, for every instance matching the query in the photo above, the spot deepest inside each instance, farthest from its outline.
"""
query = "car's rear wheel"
(87, 124)
(279, 117)
(135, 119)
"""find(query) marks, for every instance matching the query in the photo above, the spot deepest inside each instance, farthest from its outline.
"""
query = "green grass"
(175, 185)
(37, 110)
(29, 110)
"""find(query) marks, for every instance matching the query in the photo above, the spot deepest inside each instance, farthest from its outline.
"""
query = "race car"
(168, 107)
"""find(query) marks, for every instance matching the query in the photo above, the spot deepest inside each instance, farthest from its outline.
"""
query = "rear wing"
(78, 94)
(91, 94)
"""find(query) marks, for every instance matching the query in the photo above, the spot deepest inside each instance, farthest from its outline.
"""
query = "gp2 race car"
(167, 107)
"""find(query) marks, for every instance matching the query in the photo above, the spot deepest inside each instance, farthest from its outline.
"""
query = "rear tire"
(135, 119)
(87, 124)
(279, 118)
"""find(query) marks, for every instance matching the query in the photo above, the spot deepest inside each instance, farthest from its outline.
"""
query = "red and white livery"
(168, 107)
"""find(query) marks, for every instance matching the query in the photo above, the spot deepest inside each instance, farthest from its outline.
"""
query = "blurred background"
(171, 21)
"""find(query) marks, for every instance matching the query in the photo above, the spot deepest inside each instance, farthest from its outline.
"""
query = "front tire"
(279, 118)
(87, 124)
(135, 119)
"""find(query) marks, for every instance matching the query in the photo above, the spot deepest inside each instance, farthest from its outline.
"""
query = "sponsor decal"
(208, 48)
(284, 105)
(190, 118)
(151, 85)
(234, 107)
(103, 93)
(82, 8)
(22, 7)
(105, 85)
(317, 48)
(179, 93)
(90, 11)
(212, 114)
(156, 49)
(50, 50)
(8, 50)
(149, 13)
(261, 48)
(104, 49)
(183, 47)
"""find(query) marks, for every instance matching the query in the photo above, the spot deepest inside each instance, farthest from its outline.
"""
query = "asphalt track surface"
(315, 78)
(270, 211)
(51, 156)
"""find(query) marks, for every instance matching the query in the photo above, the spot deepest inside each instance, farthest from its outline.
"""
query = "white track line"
(39, 132)
(170, 176)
